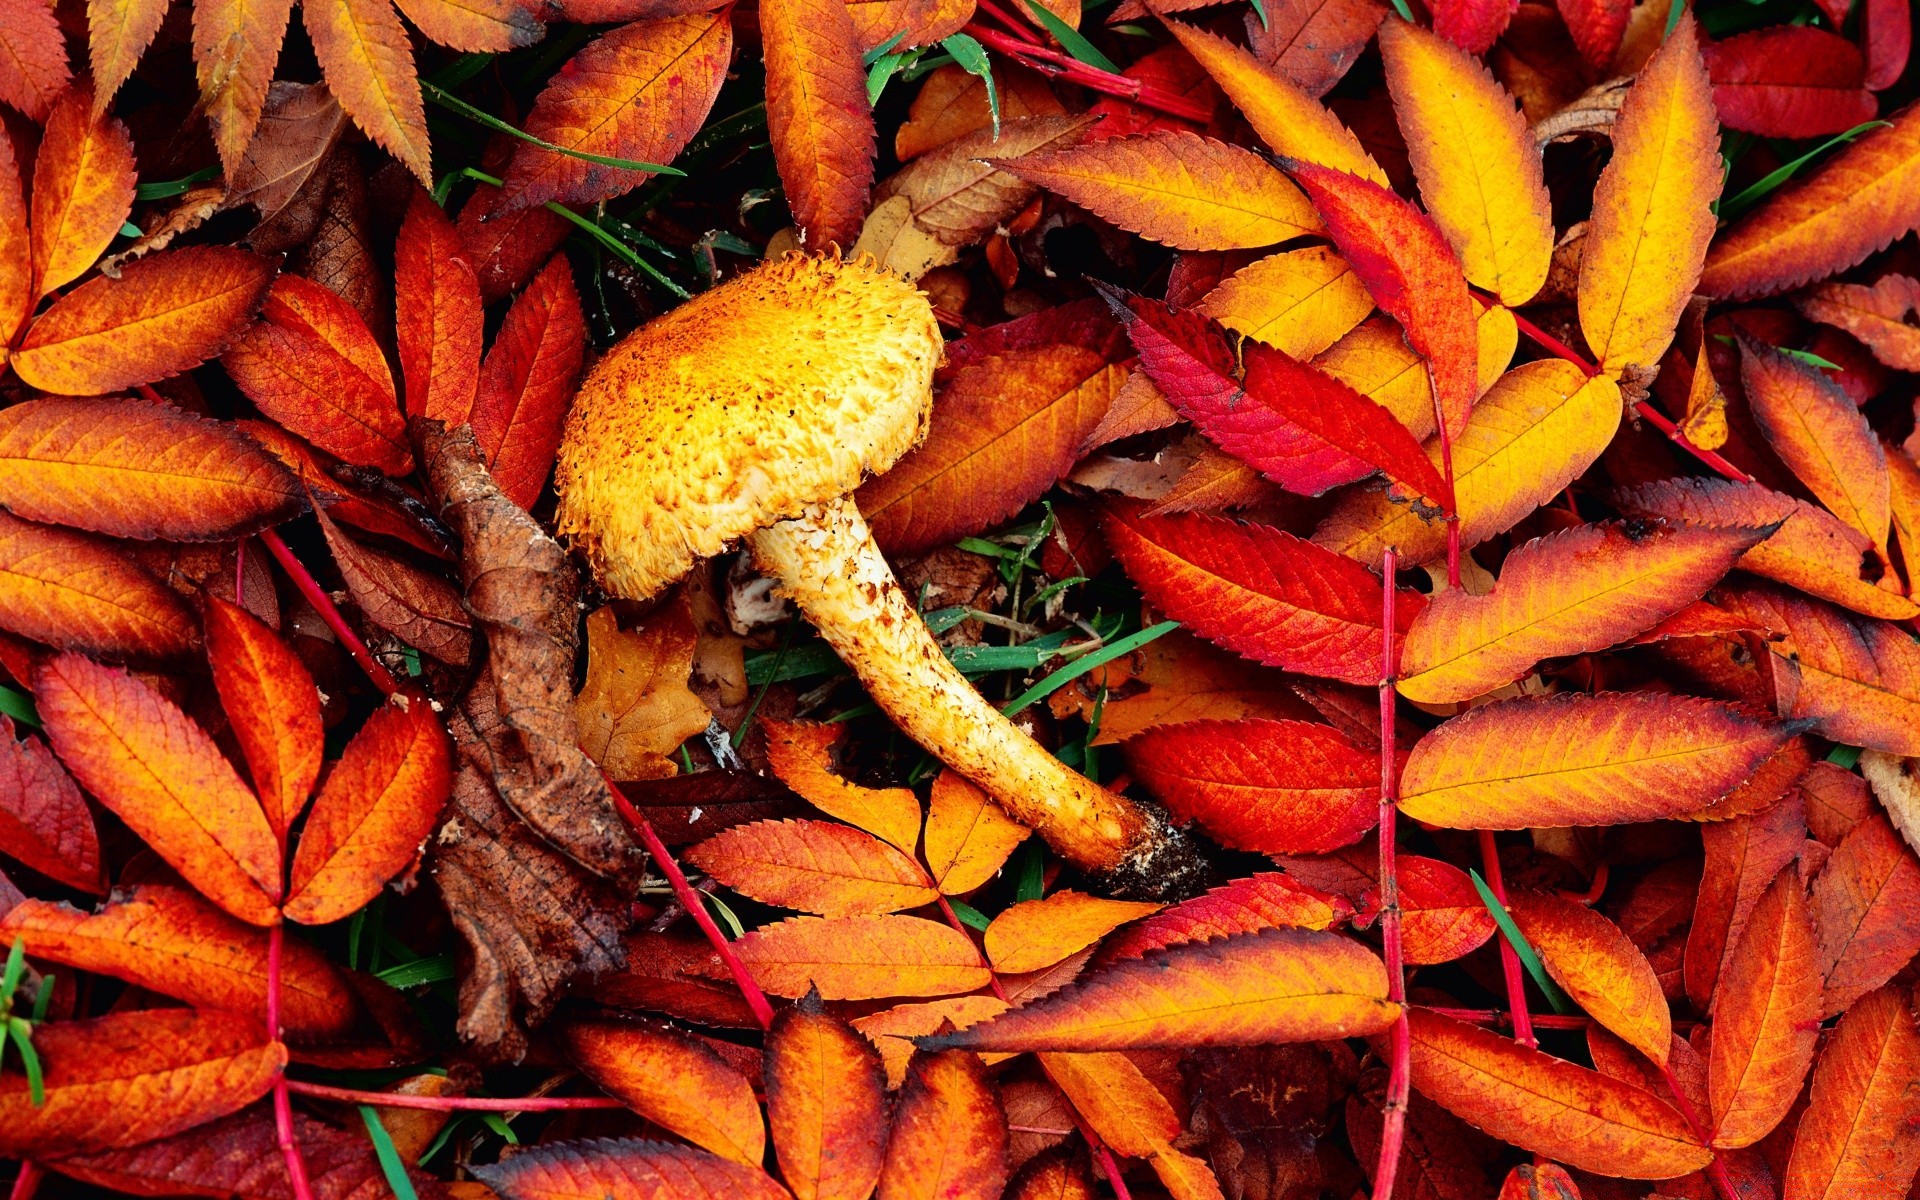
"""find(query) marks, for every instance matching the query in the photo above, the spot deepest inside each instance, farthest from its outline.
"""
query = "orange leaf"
(621, 1167)
(1856, 1140)
(1411, 271)
(436, 314)
(1478, 165)
(118, 33)
(33, 58)
(1743, 856)
(367, 59)
(166, 313)
(892, 1030)
(1034, 934)
(826, 1105)
(16, 248)
(1176, 188)
(475, 26)
(44, 820)
(82, 190)
(1766, 1017)
(818, 117)
(1300, 302)
(236, 44)
(1568, 593)
(1188, 679)
(1811, 550)
(1277, 985)
(1549, 1106)
(378, 805)
(1053, 1175)
(861, 958)
(312, 365)
(1276, 787)
(168, 940)
(636, 706)
(1863, 904)
(1575, 759)
(1264, 593)
(1857, 202)
(136, 1076)
(1005, 428)
(1443, 916)
(418, 607)
(814, 866)
(1876, 315)
(798, 752)
(674, 1080)
(1818, 432)
(1604, 972)
(1859, 678)
(949, 1138)
(526, 382)
(1652, 209)
(273, 706)
(968, 838)
(639, 92)
(80, 593)
(134, 469)
(160, 773)
(1262, 901)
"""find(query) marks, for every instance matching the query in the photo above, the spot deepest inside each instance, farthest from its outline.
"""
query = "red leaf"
(1304, 430)
(1272, 597)
(506, 248)
(1262, 901)
(526, 383)
(1473, 25)
(1789, 81)
(1888, 28)
(1411, 271)
(273, 706)
(436, 314)
(44, 821)
(1597, 27)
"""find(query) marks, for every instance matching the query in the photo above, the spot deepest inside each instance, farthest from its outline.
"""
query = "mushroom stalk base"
(826, 561)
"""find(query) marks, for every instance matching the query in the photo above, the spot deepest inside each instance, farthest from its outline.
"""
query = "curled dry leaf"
(959, 199)
(814, 866)
(139, 755)
(1578, 759)
(129, 468)
(674, 1080)
(1035, 934)
(1277, 985)
(826, 1105)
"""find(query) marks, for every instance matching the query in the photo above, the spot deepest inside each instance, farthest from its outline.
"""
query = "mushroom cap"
(778, 389)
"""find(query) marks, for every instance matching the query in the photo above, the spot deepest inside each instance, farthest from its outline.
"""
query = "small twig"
(26, 1182)
(1509, 957)
(1399, 1071)
(690, 900)
(1053, 62)
(1717, 1170)
(321, 1091)
(323, 604)
(282, 1102)
(1488, 1016)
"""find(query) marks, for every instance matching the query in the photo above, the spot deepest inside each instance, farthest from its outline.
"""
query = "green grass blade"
(1528, 957)
(388, 1154)
(453, 103)
(1080, 666)
(1072, 39)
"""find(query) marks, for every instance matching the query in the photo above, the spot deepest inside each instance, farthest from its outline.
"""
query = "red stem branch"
(282, 1102)
(1488, 1016)
(323, 604)
(1054, 62)
(1717, 1170)
(690, 900)
(1509, 957)
(321, 1091)
(1399, 1071)
(26, 1182)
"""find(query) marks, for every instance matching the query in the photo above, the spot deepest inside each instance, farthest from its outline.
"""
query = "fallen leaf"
(526, 383)
(968, 839)
(367, 58)
(35, 68)
(417, 606)
(1444, 917)
(818, 116)
(826, 1105)
(1859, 904)
(272, 706)
(1743, 857)
(949, 1137)
(1601, 970)
(814, 866)
(436, 314)
(1035, 934)
(635, 706)
(673, 1080)
(891, 1031)
(1821, 436)
(1856, 1138)
(1262, 901)
(1300, 302)
(861, 958)
(1314, 42)
(1766, 1017)
(83, 180)
(44, 820)
(1877, 315)
(1789, 81)
(616, 1166)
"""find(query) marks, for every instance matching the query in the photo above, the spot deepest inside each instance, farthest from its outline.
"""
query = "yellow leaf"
(1652, 215)
(968, 838)
(636, 706)
(1376, 361)
(861, 958)
(367, 59)
(118, 33)
(798, 752)
(235, 46)
(1297, 301)
(1476, 160)
(892, 1030)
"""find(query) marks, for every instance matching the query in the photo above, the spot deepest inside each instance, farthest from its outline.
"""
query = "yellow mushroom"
(753, 411)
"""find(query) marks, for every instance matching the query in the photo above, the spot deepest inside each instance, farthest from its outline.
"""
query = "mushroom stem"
(827, 563)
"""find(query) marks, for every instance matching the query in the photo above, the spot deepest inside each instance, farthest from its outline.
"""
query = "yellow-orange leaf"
(168, 940)
(892, 1030)
(798, 752)
(1298, 301)
(1572, 592)
(82, 190)
(1652, 214)
(118, 33)
(826, 1105)
(624, 1169)
(949, 1138)
(134, 469)
(968, 838)
(1286, 118)
(1857, 1139)
(1039, 933)
(1818, 432)
(1599, 967)
(1277, 985)
(379, 803)
(1533, 433)
(16, 245)
(1176, 188)
(814, 866)
(1552, 1107)
(166, 313)
(673, 1080)
(1863, 902)
(136, 1076)
(235, 46)
(80, 593)
(818, 116)
(476, 26)
(367, 58)
(160, 773)
(637, 704)
(1766, 1016)
(1375, 360)
(1478, 165)
(273, 706)
(1576, 759)
(1117, 1100)
(861, 958)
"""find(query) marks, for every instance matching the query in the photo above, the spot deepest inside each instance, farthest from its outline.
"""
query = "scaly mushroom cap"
(778, 389)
